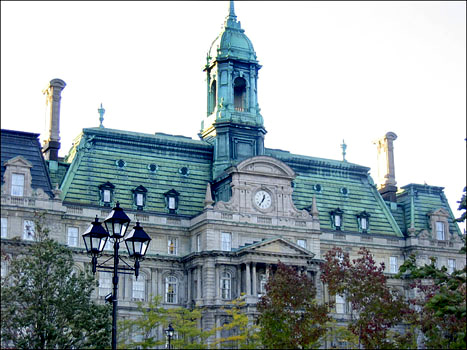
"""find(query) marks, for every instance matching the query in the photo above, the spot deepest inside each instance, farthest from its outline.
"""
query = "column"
(154, 283)
(239, 280)
(160, 283)
(254, 292)
(217, 284)
(189, 285)
(198, 286)
(248, 279)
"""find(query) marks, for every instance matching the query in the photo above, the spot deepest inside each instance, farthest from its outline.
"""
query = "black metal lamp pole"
(137, 242)
(169, 332)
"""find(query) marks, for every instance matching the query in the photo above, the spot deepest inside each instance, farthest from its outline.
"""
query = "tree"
(45, 305)
(289, 315)
(441, 298)
(374, 307)
(143, 328)
(245, 334)
(153, 316)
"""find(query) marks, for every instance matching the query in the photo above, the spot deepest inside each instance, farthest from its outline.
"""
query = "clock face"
(263, 199)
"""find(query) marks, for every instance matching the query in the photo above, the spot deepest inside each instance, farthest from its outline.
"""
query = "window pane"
(440, 231)
(225, 285)
(73, 236)
(105, 283)
(301, 243)
(139, 199)
(4, 227)
(451, 265)
(172, 246)
(107, 196)
(171, 202)
(337, 220)
(28, 230)
(393, 264)
(226, 240)
(139, 288)
(364, 225)
(17, 184)
(171, 289)
(198, 243)
(340, 304)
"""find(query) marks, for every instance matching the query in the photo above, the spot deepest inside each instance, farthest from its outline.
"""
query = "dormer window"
(17, 185)
(439, 224)
(363, 221)
(139, 195)
(336, 216)
(171, 199)
(440, 231)
(106, 193)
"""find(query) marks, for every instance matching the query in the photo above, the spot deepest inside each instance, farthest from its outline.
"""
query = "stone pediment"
(276, 246)
(439, 212)
(267, 166)
(18, 161)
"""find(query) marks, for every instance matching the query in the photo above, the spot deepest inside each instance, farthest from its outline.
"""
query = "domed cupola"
(233, 123)
(232, 43)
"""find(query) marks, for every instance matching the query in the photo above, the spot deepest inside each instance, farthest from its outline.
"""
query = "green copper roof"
(418, 201)
(231, 43)
(338, 184)
(127, 160)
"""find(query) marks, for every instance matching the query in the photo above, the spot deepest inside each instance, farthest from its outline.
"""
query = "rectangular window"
(105, 283)
(198, 243)
(73, 236)
(172, 245)
(364, 224)
(301, 243)
(139, 199)
(393, 268)
(226, 241)
(17, 185)
(28, 230)
(138, 288)
(4, 227)
(171, 290)
(440, 230)
(106, 196)
(451, 265)
(172, 203)
(337, 221)
(340, 304)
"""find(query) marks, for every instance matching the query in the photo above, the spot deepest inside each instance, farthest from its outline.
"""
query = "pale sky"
(331, 71)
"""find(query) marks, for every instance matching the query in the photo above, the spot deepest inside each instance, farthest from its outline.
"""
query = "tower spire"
(231, 9)
(231, 19)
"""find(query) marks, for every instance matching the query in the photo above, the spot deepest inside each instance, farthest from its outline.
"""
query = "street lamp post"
(169, 332)
(137, 242)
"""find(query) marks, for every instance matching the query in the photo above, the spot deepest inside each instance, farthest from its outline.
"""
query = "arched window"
(212, 97)
(226, 284)
(139, 287)
(240, 94)
(171, 289)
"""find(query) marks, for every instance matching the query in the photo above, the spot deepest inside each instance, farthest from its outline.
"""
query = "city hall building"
(223, 208)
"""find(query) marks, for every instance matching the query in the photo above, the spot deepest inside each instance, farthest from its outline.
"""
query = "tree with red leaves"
(374, 307)
(290, 317)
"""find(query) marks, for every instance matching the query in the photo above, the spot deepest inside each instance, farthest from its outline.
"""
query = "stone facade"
(237, 209)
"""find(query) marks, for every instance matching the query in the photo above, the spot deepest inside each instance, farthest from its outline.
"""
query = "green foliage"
(153, 317)
(187, 327)
(375, 308)
(289, 315)
(245, 335)
(462, 206)
(44, 305)
(441, 303)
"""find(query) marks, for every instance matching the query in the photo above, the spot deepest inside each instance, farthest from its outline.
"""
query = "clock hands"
(264, 197)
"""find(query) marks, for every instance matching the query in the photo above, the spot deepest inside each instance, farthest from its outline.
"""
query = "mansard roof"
(338, 184)
(418, 202)
(129, 159)
(27, 145)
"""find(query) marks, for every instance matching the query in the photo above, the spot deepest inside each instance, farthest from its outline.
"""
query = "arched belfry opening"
(240, 94)
(212, 97)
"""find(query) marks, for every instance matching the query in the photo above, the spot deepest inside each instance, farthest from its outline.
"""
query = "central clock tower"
(233, 123)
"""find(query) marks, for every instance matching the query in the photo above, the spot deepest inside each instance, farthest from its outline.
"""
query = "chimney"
(53, 94)
(386, 173)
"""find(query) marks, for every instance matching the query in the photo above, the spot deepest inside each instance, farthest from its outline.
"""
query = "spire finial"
(344, 147)
(232, 9)
(101, 114)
